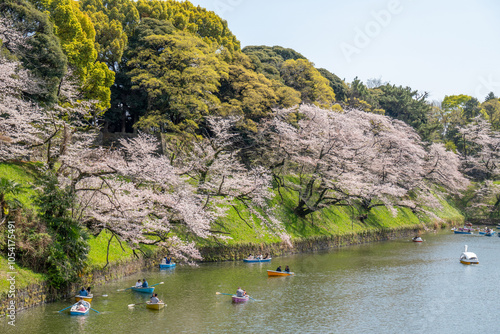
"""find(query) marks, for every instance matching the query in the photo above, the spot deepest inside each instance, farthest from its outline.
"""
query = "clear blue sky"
(444, 47)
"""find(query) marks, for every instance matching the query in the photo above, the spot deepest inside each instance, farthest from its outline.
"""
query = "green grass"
(98, 249)
(326, 222)
(23, 174)
(24, 277)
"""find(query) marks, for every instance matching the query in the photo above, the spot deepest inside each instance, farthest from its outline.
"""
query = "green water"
(389, 287)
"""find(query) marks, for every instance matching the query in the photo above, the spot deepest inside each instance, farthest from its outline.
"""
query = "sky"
(443, 47)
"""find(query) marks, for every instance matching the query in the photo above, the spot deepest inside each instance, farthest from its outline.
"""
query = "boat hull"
(272, 273)
(469, 262)
(256, 260)
(166, 266)
(86, 298)
(156, 306)
(75, 309)
(143, 290)
(462, 232)
(237, 299)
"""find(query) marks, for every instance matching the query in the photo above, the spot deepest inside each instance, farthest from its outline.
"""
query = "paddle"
(65, 308)
(156, 284)
(220, 293)
(132, 305)
(94, 310)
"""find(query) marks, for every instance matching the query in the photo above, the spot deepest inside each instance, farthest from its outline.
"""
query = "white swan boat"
(468, 257)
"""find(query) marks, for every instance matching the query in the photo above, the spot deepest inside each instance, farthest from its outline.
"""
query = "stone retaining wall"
(239, 252)
(37, 294)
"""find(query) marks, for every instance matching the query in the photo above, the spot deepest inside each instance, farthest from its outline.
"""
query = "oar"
(65, 308)
(94, 310)
(155, 284)
(221, 293)
(124, 289)
(132, 305)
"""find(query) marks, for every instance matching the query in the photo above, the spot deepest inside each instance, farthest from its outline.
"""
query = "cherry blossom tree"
(223, 181)
(481, 156)
(354, 157)
(19, 118)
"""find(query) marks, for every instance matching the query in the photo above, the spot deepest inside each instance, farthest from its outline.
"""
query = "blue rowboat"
(144, 290)
(257, 260)
(80, 308)
(489, 234)
(164, 266)
(463, 230)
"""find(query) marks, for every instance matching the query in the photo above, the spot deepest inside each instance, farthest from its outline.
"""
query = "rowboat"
(155, 306)
(143, 290)
(278, 273)
(85, 298)
(237, 299)
(463, 230)
(489, 234)
(165, 265)
(257, 260)
(80, 308)
(468, 257)
(417, 239)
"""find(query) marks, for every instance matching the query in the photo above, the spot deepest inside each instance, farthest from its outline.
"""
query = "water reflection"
(392, 287)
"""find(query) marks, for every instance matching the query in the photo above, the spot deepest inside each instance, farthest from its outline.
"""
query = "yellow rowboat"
(155, 306)
(86, 298)
(271, 273)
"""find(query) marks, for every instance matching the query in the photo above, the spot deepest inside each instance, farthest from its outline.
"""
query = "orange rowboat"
(271, 273)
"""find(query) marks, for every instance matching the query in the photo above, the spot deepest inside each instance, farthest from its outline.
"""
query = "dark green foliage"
(338, 85)
(490, 96)
(407, 105)
(68, 250)
(42, 54)
(268, 60)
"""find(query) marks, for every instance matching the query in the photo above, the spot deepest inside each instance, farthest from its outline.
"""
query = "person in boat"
(88, 291)
(250, 257)
(80, 306)
(240, 292)
(168, 260)
(145, 283)
(279, 268)
(138, 284)
(266, 256)
(83, 292)
(245, 293)
(287, 269)
(154, 299)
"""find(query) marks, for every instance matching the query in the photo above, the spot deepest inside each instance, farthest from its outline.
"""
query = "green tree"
(180, 75)
(77, 36)
(491, 110)
(339, 87)
(301, 75)
(409, 106)
(490, 96)
(68, 250)
(42, 54)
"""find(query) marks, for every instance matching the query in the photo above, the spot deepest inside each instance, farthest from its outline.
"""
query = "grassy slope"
(330, 221)
(327, 222)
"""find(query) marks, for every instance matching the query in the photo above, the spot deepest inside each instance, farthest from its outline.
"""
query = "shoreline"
(40, 293)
